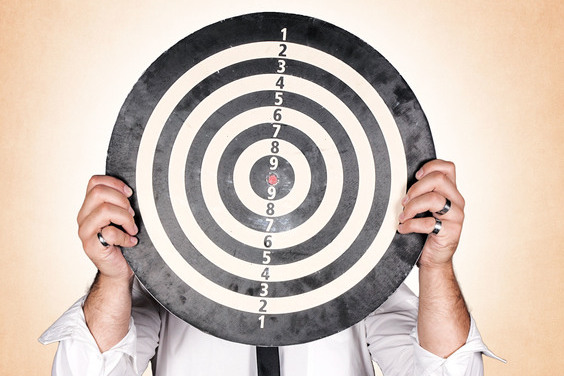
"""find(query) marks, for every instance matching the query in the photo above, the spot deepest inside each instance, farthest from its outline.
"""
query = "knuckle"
(438, 199)
(81, 232)
(457, 227)
(443, 179)
(97, 192)
(105, 208)
(108, 236)
(105, 212)
(435, 175)
(124, 201)
(94, 180)
(112, 233)
(117, 236)
(405, 227)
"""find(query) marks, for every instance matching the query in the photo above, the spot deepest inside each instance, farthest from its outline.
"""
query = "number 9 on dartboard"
(268, 154)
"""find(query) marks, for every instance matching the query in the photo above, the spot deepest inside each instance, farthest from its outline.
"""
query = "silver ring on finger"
(102, 240)
(438, 226)
(445, 208)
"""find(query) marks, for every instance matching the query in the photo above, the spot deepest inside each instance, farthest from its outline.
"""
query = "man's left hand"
(436, 186)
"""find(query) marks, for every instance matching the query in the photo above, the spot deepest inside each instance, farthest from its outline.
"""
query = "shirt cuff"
(427, 363)
(72, 326)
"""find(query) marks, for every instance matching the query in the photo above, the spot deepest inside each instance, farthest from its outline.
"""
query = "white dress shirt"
(388, 337)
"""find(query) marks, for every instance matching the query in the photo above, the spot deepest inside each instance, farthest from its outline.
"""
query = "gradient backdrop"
(488, 74)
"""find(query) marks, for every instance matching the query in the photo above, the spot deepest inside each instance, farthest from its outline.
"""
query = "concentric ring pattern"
(269, 154)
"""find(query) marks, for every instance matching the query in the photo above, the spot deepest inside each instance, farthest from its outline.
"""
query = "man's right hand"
(106, 204)
(107, 308)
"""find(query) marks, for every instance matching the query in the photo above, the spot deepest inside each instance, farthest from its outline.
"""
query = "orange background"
(488, 74)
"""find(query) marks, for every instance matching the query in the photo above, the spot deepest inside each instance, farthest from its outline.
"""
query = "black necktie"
(268, 361)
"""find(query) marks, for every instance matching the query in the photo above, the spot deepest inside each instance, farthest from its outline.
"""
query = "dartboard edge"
(268, 154)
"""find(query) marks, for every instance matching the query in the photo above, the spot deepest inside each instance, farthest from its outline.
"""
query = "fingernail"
(135, 228)
(419, 174)
(400, 218)
(134, 240)
(131, 211)
(404, 200)
(128, 191)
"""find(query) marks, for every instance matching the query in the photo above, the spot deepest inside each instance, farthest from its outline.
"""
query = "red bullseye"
(272, 179)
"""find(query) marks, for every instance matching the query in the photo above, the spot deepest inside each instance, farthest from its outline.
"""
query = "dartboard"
(268, 154)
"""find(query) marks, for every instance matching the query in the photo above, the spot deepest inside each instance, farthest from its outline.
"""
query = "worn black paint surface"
(398, 259)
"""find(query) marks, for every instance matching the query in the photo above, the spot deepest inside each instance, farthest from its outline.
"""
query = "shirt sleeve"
(78, 353)
(393, 344)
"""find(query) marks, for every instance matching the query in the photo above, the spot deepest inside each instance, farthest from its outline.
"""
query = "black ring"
(438, 226)
(445, 208)
(102, 240)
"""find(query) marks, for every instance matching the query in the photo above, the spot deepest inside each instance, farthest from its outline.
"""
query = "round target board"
(269, 154)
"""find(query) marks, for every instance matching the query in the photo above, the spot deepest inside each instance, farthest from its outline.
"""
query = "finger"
(104, 215)
(114, 236)
(103, 194)
(109, 260)
(109, 181)
(426, 225)
(433, 202)
(435, 182)
(438, 165)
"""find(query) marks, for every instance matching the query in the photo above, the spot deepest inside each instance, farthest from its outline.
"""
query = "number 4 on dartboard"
(265, 274)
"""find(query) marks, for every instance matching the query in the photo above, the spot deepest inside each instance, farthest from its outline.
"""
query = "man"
(117, 328)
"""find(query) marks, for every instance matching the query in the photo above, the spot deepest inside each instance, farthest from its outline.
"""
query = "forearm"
(443, 319)
(107, 310)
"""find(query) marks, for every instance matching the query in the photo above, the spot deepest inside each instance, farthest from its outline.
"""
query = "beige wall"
(489, 76)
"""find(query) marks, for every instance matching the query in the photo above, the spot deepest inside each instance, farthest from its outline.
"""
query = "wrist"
(436, 267)
(438, 284)
(119, 281)
(443, 319)
(107, 309)
(109, 295)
